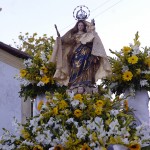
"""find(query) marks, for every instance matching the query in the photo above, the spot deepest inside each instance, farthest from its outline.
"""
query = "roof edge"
(14, 51)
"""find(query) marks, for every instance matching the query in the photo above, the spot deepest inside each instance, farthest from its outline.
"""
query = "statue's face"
(80, 26)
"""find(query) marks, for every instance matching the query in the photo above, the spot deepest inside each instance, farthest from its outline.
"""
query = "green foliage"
(32, 45)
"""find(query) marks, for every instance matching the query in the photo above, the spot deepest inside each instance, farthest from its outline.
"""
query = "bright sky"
(116, 20)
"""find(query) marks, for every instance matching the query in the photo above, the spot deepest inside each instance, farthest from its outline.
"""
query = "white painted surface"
(10, 102)
(139, 103)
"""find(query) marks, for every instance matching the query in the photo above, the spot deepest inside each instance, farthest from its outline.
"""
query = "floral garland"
(130, 69)
(78, 122)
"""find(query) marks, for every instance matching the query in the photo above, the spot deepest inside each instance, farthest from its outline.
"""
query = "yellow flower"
(126, 49)
(41, 102)
(138, 71)
(62, 104)
(126, 105)
(99, 103)
(114, 140)
(98, 110)
(85, 147)
(58, 147)
(37, 147)
(44, 69)
(25, 134)
(133, 59)
(23, 73)
(45, 79)
(78, 113)
(48, 56)
(38, 78)
(78, 97)
(135, 146)
(94, 136)
(55, 110)
(127, 76)
(108, 121)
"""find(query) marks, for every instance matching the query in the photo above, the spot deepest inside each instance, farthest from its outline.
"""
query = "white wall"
(10, 102)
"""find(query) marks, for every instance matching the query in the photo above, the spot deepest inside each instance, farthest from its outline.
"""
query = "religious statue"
(80, 56)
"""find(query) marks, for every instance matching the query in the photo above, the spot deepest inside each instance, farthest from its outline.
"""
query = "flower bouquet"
(130, 69)
(78, 122)
(37, 74)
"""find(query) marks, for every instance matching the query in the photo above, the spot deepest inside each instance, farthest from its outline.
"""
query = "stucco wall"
(10, 102)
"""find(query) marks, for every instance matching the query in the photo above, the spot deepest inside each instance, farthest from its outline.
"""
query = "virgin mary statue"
(80, 56)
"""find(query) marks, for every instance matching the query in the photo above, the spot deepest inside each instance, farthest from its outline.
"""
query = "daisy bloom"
(127, 76)
(133, 59)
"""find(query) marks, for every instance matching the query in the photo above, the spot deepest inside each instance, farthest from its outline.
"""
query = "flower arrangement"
(130, 69)
(78, 122)
(37, 74)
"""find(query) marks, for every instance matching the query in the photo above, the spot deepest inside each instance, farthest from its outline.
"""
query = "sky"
(117, 21)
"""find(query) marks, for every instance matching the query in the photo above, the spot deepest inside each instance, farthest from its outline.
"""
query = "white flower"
(143, 83)
(130, 44)
(43, 57)
(64, 137)
(41, 72)
(125, 68)
(92, 144)
(51, 121)
(71, 94)
(146, 72)
(28, 143)
(125, 140)
(34, 122)
(81, 132)
(113, 124)
(52, 148)
(40, 137)
(26, 82)
(91, 126)
(136, 49)
(28, 62)
(98, 120)
(57, 126)
(124, 132)
(55, 142)
(82, 106)
(114, 112)
(74, 103)
(40, 83)
(109, 95)
(76, 124)
(70, 120)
